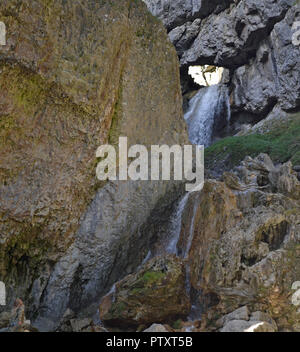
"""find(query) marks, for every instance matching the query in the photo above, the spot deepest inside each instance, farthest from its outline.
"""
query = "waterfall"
(191, 231)
(207, 110)
(175, 225)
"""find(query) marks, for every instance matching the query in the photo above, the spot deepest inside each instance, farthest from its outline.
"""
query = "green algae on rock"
(156, 293)
(73, 76)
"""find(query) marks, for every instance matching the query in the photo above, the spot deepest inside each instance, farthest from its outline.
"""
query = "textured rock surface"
(273, 76)
(156, 328)
(241, 274)
(235, 261)
(247, 326)
(252, 38)
(68, 80)
(230, 38)
(241, 321)
(156, 293)
(173, 13)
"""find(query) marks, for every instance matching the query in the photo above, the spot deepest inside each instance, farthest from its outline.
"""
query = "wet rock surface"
(156, 293)
(106, 70)
(241, 273)
(67, 87)
(251, 256)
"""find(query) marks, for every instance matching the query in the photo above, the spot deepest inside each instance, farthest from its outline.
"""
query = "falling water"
(188, 247)
(209, 106)
(206, 109)
(175, 225)
(191, 231)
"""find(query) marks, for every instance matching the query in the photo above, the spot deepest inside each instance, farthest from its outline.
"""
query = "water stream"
(208, 109)
(176, 224)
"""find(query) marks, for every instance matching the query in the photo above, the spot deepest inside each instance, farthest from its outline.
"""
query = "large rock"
(156, 328)
(243, 238)
(245, 25)
(257, 48)
(213, 211)
(272, 77)
(156, 293)
(247, 326)
(75, 75)
(173, 13)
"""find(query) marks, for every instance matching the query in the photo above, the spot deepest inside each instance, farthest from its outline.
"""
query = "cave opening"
(207, 75)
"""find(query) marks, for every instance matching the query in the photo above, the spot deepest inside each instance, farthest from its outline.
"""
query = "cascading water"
(175, 225)
(208, 108)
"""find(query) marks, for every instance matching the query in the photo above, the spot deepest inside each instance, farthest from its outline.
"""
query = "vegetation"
(282, 143)
(153, 276)
(177, 324)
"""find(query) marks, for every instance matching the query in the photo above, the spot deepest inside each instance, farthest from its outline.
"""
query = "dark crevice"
(274, 235)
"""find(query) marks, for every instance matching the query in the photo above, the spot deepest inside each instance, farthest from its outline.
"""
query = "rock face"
(252, 38)
(238, 259)
(245, 247)
(68, 81)
(272, 77)
(228, 39)
(173, 13)
(156, 293)
(241, 321)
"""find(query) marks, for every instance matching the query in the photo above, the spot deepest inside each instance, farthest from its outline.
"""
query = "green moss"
(114, 131)
(23, 251)
(293, 211)
(145, 283)
(8, 125)
(177, 324)
(152, 276)
(282, 144)
(137, 291)
(296, 159)
(117, 309)
(27, 89)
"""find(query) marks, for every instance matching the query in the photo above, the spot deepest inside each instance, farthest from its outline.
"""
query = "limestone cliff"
(252, 38)
(78, 74)
(73, 76)
(239, 243)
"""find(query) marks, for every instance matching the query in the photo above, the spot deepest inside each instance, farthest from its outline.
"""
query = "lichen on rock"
(156, 293)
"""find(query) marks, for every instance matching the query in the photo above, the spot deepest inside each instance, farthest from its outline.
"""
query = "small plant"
(177, 325)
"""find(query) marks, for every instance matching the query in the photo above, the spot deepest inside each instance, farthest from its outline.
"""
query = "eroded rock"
(67, 87)
(250, 256)
(156, 293)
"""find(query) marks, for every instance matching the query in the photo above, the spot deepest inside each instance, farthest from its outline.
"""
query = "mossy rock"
(155, 294)
(282, 143)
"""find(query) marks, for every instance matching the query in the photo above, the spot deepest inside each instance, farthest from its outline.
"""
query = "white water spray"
(176, 224)
(209, 106)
